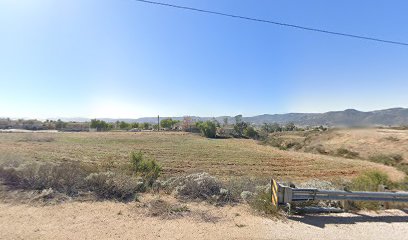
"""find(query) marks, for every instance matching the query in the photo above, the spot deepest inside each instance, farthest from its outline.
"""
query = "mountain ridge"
(348, 117)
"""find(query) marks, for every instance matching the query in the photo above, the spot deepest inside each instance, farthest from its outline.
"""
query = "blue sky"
(125, 59)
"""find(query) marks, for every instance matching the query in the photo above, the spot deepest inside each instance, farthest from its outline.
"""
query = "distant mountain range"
(349, 117)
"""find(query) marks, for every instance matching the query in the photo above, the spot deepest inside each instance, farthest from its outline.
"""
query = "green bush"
(368, 181)
(250, 132)
(387, 159)
(208, 129)
(261, 203)
(148, 169)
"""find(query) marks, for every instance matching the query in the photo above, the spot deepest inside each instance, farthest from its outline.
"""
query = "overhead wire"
(282, 24)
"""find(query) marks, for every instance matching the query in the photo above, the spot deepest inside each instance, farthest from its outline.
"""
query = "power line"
(275, 23)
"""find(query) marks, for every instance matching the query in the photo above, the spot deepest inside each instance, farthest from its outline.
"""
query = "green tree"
(250, 132)
(238, 119)
(207, 128)
(101, 125)
(167, 123)
(290, 126)
(239, 128)
(225, 121)
(271, 127)
(146, 125)
(60, 124)
(124, 125)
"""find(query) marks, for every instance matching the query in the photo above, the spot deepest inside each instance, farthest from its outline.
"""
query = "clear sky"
(125, 59)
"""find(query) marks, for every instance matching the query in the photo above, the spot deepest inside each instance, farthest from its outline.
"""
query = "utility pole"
(158, 123)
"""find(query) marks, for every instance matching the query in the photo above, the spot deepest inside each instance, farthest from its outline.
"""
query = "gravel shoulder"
(112, 220)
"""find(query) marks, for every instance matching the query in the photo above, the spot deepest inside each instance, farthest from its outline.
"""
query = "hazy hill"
(349, 117)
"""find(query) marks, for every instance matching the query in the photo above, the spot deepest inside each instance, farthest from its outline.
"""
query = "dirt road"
(109, 220)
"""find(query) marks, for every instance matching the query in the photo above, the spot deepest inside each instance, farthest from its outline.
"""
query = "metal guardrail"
(282, 195)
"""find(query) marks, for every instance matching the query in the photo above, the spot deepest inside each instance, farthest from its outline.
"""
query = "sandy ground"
(110, 220)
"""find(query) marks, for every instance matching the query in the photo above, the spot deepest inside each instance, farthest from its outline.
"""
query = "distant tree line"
(242, 129)
(211, 128)
(101, 125)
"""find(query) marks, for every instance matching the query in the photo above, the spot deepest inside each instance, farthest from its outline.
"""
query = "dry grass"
(181, 153)
(366, 142)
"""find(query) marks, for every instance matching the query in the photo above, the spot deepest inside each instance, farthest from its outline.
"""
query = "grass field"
(181, 153)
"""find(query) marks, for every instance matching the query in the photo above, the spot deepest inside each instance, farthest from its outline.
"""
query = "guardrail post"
(281, 195)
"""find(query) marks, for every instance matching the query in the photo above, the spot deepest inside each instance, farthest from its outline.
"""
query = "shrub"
(283, 144)
(274, 142)
(66, 177)
(237, 186)
(261, 203)
(148, 169)
(271, 127)
(208, 129)
(343, 152)
(250, 132)
(110, 185)
(368, 181)
(239, 128)
(392, 139)
(317, 149)
(390, 159)
(72, 177)
(161, 208)
(194, 186)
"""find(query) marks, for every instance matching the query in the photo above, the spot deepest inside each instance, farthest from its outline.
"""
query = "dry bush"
(66, 177)
(319, 148)
(161, 208)
(207, 217)
(111, 185)
(343, 152)
(107, 180)
(392, 139)
(243, 188)
(71, 178)
(197, 186)
(37, 138)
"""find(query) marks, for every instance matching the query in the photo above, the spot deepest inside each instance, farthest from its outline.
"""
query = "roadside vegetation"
(99, 164)
(72, 178)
